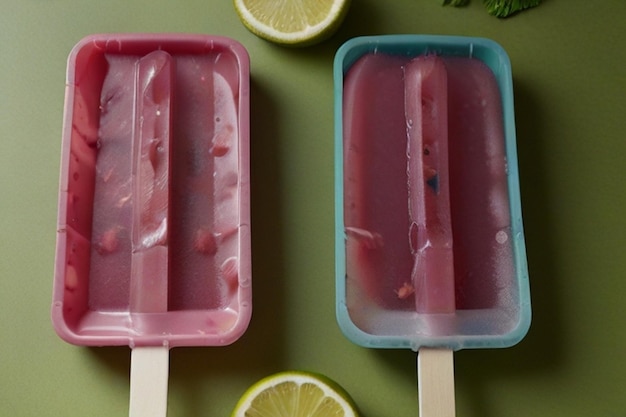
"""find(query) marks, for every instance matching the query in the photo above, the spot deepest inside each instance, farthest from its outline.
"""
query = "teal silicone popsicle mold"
(468, 335)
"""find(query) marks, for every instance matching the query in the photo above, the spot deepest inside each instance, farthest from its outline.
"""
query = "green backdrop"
(569, 69)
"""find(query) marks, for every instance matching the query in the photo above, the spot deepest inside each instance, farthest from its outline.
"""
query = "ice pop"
(429, 239)
(153, 240)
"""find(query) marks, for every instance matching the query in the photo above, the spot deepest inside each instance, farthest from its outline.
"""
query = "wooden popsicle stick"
(435, 376)
(149, 372)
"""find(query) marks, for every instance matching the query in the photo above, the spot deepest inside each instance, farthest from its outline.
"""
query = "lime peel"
(292, 22)
(295, 393)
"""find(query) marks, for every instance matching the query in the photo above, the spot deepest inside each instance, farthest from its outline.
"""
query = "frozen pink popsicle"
(426, 208)
(154, 214)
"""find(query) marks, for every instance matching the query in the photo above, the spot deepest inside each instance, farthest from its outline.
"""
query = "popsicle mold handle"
(435, 372)
(149, 372)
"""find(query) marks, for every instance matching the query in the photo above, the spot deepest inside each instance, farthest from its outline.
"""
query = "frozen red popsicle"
(426, 207)
(429, 245)
(153, 244)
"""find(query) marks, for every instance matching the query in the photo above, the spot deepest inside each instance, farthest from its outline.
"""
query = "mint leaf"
(504, 8)
(455, 3)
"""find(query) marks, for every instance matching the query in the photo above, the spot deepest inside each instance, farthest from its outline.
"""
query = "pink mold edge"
(223, 325)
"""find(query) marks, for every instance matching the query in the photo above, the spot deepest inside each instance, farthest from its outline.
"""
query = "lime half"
(292, 22)
(295, 394)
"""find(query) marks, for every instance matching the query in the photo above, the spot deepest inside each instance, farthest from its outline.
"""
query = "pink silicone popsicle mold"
(153, 237)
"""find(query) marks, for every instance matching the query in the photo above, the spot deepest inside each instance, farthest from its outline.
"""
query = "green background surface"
(569, 69)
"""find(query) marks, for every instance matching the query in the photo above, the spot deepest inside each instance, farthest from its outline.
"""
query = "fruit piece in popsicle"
(430, 228)
(151, 174)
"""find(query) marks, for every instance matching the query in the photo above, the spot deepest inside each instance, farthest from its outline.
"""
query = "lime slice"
(292, 22)
(295, 394)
